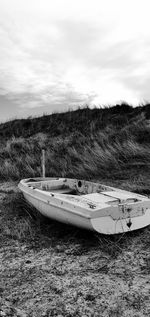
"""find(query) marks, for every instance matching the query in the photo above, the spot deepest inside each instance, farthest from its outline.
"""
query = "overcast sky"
(59, 54)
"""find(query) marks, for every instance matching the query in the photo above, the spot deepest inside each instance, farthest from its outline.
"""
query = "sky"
(62, 54)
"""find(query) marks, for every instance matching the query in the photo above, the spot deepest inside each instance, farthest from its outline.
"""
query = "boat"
(86, 204)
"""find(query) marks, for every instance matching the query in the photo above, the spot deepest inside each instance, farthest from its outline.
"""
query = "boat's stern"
(108, 225)
(119, 211)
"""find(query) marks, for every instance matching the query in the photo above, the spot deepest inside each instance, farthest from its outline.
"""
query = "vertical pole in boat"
(43, 163)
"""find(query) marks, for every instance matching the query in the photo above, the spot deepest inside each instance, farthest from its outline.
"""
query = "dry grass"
(115, 146)
(83, 157)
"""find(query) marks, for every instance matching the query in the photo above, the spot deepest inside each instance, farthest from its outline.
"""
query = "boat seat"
(61, 191)
(100, 198)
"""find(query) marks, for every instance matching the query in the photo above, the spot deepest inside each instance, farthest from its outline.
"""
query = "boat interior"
(93, 191)
(68, 186)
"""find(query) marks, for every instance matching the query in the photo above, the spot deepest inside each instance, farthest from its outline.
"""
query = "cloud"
(63, 96)
(71, 53)
(34, 77)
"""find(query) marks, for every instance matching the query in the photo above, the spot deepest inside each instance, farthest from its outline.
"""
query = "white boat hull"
(59, 214)
(96, 207)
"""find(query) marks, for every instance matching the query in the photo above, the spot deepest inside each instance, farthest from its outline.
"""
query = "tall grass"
(112, 151)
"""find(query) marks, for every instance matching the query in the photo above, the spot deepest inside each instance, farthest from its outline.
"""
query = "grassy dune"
(111, 143)
(51, 269)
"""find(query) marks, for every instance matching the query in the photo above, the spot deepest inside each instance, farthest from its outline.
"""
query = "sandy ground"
(56, 270)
